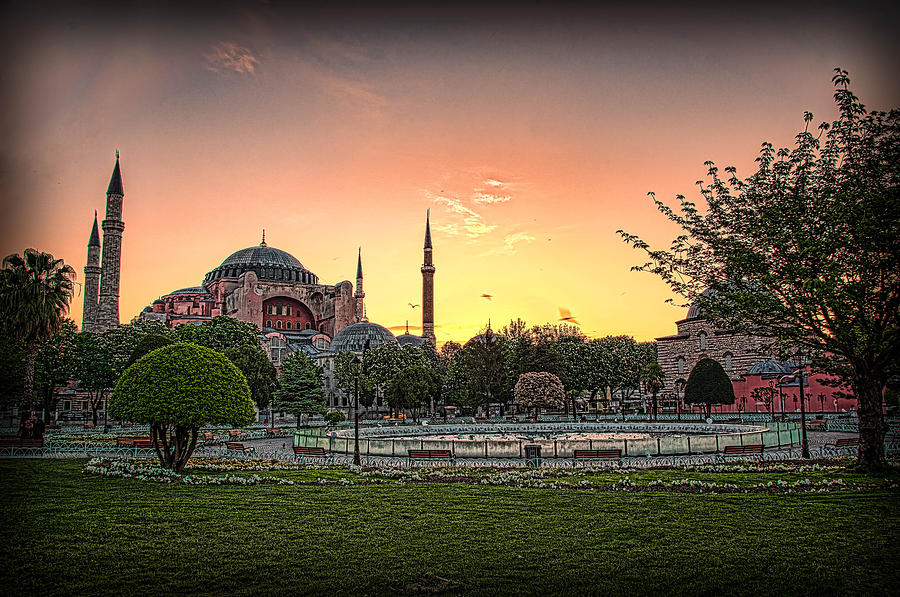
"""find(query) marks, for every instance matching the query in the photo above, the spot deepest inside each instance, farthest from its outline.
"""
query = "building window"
(308, 325)
(67, 405)
(287, 310)
(680, 362)
(287, 325)
(702, 340)
(278, 324)
(729, 362)
(268, 323)
(84, 405)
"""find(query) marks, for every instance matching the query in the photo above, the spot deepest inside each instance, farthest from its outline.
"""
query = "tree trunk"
(653, 408)
(872, 427)
(31, 350)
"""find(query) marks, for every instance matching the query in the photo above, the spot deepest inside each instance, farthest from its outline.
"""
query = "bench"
(235, 432)
(596, 454)
(273, 430)
(747, 449)
(89, 426)
(430, 454)
(816, 424)
(239, 447)
(127, 424)
(207, 436)
(134, 442)
(845, 442)
(19, 442)
(303, 451)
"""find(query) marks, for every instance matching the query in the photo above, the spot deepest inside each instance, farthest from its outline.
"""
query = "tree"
(35, 290)
(95, 366)
(411, 387)
(220, 333)
(766, 395)
(12, 369)
(539, 390)
(652, 376)
(148, 344)
(177, 389)
(300, 388)
(804, 251)
(258, 371)
(708, 384)
(483, 360)
(54, 365)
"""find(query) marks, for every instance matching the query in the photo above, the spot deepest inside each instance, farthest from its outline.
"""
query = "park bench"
(127, 424)
(816, 424)
(208, 436)
(134, 442)
(235, 432)
(239, 447)
(596, 454)
(19, 442)
(273, 430)
(845, 442)
(315, 451)
(430, 454)
(747, 449)
(89, 426)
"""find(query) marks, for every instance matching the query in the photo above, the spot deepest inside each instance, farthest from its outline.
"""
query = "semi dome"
(267, 262)
(353, 337)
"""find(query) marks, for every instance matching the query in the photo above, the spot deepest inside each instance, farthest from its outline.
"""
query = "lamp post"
(772, 397)
(356, 364)
(678, 383)
(804, 447)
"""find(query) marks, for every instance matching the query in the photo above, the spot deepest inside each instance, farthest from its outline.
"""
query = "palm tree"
(35, 290)
(652, 376)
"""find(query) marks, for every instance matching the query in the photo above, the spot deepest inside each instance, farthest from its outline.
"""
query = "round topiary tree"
(177, 389)
(539, 390)
(708, 384)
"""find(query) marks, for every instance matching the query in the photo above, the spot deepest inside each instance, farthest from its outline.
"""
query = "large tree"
(804, 251)
(300, 389)
(539, 389)
(54, 365)
(35, 290)
(653, 378)
(708, 384)
(411, 387)
(259, 372)
(177, 389)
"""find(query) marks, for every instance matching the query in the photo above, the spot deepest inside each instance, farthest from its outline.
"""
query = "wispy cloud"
(487, 199)
(228, 55)
(472, 225)
(493, 182)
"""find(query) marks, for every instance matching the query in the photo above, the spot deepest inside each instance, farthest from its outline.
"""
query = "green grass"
(68, 533)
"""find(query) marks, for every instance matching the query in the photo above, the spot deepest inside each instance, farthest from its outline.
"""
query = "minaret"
(91, 281)
(359, 294)
(428, 286)
(112, 252)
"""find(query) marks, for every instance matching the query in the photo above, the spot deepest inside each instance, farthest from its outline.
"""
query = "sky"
(532, 131)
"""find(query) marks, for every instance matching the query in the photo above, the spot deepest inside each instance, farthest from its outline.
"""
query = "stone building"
(744, 360)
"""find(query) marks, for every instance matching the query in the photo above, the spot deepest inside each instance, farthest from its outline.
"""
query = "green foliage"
(804, 251)
(147, 344)
(35, 290)
(184, 385)
(258, 371)
(12, 368)
(708, 384)
(412, 387)
(219, 333)
(300, 388)
(55, 364)
(539, 390)
(334, 416)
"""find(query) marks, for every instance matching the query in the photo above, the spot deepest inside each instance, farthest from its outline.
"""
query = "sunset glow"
(532, 137)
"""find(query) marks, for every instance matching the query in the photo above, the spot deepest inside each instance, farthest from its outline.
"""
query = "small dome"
(482, 337)
(410, 340)
(695, 312)
(353, 337)
(191, 290)
(769, 367)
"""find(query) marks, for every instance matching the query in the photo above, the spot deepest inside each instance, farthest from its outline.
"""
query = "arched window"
(287, 324)
(287, 310)
(278, 324)
(703, 341)
(729, 362)
(308, 325)
(680, 362)
(268, 323)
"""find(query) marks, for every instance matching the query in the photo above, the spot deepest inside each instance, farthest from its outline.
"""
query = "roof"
(769, 367)
(428, 229)
(359, 265)
(353, 337)
(115, 181)
(95, 234)
(190, 290)
(262, 255)
(410, 340)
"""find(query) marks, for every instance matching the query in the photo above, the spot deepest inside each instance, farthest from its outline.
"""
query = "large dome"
(267, 262)
(353, 337)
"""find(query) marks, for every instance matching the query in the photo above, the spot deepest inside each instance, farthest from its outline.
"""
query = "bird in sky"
(412, 305)
(566, 315)
(487, 296)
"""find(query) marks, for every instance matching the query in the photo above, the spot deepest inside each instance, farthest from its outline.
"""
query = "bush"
(708, 384)
(539, 390)
(334, 416)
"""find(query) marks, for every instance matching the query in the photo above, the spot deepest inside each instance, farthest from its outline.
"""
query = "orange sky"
(532, 136)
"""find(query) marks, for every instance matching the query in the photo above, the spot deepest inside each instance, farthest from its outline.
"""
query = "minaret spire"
(113, 226)
(92, 271)
(359, 294)
(428, 285)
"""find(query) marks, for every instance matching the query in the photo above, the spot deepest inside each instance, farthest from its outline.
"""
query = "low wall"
(374, 441)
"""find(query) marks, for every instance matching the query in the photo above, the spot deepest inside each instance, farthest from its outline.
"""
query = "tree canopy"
(804, 251)
(300, 388)
(539, 390)
(259, 372)
(708, 384)
(177, 389)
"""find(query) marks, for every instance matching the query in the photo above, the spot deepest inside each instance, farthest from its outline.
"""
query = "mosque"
(261, 285)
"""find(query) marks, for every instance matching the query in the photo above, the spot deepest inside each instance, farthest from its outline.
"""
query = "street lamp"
(772, 397)
(356, 364)
(678, 383)
(801, 364)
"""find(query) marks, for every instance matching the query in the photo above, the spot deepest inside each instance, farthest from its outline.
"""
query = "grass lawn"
(68, 533)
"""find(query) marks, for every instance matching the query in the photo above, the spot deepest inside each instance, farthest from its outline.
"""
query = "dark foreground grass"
(67, 533)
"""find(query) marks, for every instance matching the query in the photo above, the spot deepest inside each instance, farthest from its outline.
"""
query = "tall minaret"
(428, 286)
(91, 281)
(359, 294)
(112, 252)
